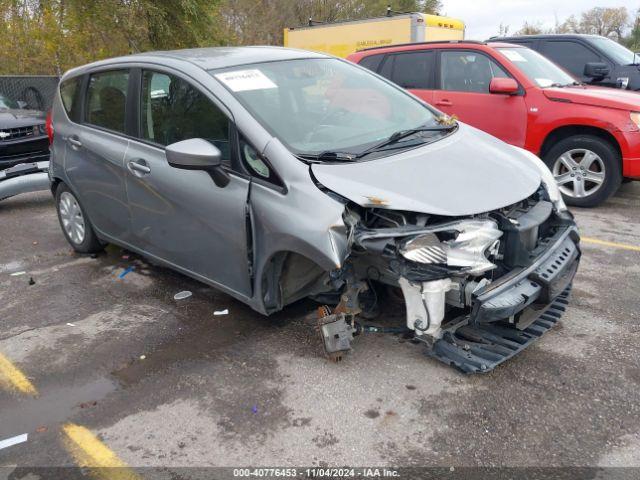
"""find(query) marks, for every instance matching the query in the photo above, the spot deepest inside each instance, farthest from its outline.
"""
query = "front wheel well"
(567, 131)
(290, 276)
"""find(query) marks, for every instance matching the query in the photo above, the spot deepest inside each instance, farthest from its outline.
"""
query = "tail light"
(49, 127)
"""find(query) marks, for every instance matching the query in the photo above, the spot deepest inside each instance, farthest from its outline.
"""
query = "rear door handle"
(444, 103)
(138, 167)
(74, 142)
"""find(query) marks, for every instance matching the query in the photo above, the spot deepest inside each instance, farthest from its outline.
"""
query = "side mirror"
(596, 70)
(505, 86)
(198, 154)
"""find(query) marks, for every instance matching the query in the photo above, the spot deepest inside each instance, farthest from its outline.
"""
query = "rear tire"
(587, 169)
(75, 223)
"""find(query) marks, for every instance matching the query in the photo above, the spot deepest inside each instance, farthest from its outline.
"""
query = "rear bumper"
(513, 312)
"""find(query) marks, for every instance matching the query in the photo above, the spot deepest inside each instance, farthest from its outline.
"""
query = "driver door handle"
(138, 167)
(74, 141)
(444, 103)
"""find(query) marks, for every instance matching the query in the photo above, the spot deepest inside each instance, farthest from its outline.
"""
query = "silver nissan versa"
(276, 174)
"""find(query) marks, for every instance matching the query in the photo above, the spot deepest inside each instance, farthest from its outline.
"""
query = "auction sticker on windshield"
(243, 80)
(513, 55)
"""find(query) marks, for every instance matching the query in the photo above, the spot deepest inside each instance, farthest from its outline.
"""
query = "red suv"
(588, 136)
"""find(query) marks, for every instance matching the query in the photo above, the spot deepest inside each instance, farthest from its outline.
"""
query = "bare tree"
(608, 22)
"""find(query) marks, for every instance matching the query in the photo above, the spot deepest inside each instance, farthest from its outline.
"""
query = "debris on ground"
(35, 243)
(254, 409)
(182, 295)
(41, 429)
(142, 357)
(17, 274)
(222, 312)
(88, 404)
(71, 324)
(31, 281)
(126, 272)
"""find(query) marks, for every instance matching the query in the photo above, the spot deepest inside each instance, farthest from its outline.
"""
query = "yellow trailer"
(344, 38)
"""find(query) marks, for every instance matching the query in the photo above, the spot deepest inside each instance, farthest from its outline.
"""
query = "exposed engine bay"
(476, 289)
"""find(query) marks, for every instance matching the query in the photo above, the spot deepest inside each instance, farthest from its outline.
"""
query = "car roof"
(433, 44)
(212, 58)
(543, 36)
(224, 57)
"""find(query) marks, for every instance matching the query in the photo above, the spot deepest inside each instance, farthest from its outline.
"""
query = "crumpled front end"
(478, 289)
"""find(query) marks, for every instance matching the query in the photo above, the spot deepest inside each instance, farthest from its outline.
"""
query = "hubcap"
(71, 217)
(579, 172)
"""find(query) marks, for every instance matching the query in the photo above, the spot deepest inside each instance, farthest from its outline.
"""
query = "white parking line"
(9, 442)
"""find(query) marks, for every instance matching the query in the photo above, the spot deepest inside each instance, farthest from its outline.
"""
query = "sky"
(483, 17)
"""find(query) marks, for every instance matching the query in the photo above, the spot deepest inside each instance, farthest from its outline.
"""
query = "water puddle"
(54, 405)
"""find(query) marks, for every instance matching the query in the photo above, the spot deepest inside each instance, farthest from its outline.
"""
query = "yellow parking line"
(89, 452)
(623, 246)
(11, 377)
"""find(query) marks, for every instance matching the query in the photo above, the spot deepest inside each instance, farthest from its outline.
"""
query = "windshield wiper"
(399, 135)
(328, 156)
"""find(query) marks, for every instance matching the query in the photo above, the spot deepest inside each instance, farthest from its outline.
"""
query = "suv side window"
(413, 69)
(173, 110)
(372, 62)
(467, 71)
(107, 99)
(69, 90)
(571, 56)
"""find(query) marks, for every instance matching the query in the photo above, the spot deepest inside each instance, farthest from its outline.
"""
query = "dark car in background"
(593, 59)
(23, 134)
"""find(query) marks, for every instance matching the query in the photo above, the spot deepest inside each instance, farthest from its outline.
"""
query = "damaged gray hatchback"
(276, 174)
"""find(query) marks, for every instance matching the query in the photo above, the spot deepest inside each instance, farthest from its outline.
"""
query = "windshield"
(6, 103)
(537, 68)
(616, 52)
(324, 105)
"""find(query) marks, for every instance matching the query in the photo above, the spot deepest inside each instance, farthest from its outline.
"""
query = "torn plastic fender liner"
(24, 178)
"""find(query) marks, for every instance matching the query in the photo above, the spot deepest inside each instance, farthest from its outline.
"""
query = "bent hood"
(596, 96)
(466, 173)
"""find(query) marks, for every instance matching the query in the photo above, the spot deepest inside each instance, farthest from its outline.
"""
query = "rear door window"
(69, 91)
(466, 71)
(571, 56)
(414, 70)
(173, 110)
(107, 100)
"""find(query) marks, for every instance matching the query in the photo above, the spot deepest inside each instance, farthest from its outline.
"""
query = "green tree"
(50, 36)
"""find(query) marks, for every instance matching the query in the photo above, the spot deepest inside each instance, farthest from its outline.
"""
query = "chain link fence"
(29, 91)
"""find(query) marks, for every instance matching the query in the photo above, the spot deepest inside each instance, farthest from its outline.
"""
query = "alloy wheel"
(579, 172)
(71, 217)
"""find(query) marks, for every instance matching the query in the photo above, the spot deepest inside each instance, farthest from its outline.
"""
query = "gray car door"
(181, 216)
(95, 150)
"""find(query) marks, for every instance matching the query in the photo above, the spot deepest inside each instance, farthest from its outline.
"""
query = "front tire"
(586, 168)
(75, 224)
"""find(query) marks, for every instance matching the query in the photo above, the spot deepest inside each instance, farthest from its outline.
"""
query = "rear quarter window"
(372, 62)
(69, 92)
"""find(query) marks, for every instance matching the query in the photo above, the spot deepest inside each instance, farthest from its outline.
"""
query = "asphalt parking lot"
(115, 366)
